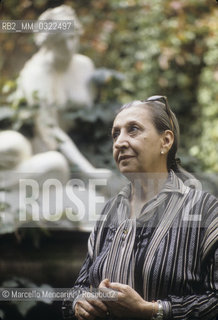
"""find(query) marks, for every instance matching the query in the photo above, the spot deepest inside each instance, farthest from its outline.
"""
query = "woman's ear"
(167, 140)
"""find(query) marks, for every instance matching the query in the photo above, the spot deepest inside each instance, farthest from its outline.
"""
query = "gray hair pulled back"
(163, 122)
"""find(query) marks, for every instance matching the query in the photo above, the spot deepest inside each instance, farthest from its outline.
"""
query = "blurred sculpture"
(55, 77)
(56, 74)
(17, 160)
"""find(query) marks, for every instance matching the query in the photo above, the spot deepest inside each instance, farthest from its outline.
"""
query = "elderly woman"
(157, 245)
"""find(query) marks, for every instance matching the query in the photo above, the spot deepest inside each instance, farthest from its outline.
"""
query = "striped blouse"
(169, 252)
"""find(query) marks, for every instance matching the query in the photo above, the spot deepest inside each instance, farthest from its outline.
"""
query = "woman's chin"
(127, 170)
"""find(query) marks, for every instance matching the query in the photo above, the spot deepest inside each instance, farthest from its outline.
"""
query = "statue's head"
(62, 12)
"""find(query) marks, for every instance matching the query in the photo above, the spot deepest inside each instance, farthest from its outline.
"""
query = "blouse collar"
(172, 184)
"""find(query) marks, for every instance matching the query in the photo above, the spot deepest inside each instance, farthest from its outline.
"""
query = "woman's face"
(136, 142)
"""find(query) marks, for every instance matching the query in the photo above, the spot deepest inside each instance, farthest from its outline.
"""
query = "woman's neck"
(144, 188)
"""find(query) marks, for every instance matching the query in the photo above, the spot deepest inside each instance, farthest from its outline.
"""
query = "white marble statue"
(17, 161)
(54, 78)
(24, 176)
(57, 74)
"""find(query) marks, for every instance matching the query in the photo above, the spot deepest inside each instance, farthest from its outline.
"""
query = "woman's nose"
(121, 142)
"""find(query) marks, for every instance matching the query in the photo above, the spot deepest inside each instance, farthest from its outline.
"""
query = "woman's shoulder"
(209, 225)
(210, 210)
(206, 199)
(206, 203)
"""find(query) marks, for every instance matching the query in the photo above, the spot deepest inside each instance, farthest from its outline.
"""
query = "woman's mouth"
(124, 157)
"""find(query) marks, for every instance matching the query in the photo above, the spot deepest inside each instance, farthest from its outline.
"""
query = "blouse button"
(125, 231)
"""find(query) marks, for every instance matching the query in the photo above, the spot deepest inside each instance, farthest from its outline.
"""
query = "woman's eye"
(133, 129)
(115, 135)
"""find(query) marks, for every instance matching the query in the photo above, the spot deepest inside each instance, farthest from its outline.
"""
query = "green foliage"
(207, 147)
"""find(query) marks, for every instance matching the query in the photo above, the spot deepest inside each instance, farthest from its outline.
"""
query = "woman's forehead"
(136, 113)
